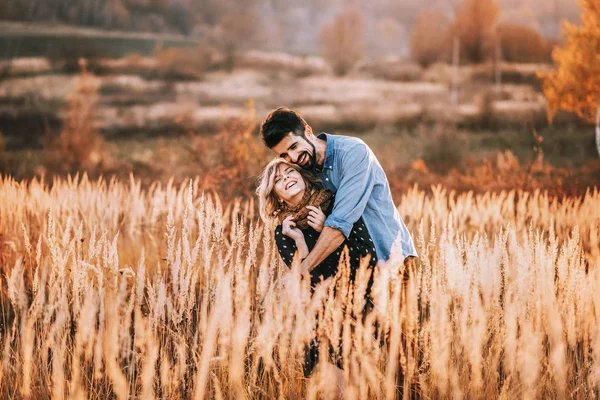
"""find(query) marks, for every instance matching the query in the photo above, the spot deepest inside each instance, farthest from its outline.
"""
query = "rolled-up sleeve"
(356, 185)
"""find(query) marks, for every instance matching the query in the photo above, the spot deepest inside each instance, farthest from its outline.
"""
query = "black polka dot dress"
(359, 245)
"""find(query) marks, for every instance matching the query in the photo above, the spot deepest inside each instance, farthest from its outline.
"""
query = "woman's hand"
(288, 228)
(316, 218)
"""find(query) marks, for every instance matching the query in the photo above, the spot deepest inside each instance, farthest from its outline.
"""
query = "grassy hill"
(59, 41)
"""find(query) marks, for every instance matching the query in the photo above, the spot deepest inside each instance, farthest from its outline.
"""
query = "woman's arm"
(301, 247)
(290, 241)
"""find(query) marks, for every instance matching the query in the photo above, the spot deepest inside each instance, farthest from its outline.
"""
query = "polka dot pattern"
(359, 245)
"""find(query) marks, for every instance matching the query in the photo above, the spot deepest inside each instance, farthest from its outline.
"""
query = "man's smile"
(303, 159)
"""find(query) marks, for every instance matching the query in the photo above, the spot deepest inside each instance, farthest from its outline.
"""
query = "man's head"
(290, 137)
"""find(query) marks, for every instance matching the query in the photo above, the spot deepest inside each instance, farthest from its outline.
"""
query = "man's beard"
(312, 157)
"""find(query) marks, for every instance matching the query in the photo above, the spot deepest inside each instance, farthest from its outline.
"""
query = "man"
(348, 168)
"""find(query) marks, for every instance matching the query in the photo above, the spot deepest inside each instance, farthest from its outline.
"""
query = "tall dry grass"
(111, 289)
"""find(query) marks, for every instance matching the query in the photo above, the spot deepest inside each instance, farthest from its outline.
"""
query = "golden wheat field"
(114, 290)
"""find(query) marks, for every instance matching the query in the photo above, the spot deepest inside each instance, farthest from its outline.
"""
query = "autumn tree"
(475, 27)
(343, 40)
(228, 25)
(522, 44)
(427, 38)
(386, 37)
(79, 145)
(575, 85)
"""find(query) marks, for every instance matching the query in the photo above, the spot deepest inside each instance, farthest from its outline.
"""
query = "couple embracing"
(327, 192)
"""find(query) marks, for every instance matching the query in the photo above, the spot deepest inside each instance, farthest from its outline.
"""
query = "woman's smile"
(289, 185)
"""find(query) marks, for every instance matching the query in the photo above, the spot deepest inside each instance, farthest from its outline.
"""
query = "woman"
(298, 203)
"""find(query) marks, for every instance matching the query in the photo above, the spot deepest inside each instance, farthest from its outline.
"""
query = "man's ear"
(308, 130)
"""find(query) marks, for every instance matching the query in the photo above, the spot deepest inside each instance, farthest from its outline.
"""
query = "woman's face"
(289, 185)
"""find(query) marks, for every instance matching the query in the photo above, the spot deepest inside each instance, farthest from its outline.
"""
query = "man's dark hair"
(279, 124)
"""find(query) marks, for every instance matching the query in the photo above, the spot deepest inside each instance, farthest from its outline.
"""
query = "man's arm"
(351, 199)
(329, 240)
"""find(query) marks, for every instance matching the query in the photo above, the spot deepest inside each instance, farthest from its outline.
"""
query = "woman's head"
(282, 182)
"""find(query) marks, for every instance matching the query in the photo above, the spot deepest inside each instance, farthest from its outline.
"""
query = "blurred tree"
(388, 33)
(475, 26)
(148, 3)
(207, 12)
(79, 145)
(237, 30)
(575, 85)
(13, 10)
(343, 40)
(287, 22)
(179, 18)
(522, 44)
(405, 11)
(521, 15)
(427, 39)
(228, 25)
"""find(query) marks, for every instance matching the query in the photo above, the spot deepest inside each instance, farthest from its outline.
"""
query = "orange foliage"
(475, 26)
(499, 171)
(427, 40)
(230, 161)
(343, 41)
(522, 44)
(79, 144)
(190, 63)
(575, 85)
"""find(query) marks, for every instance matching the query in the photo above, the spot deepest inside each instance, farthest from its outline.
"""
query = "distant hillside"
(58, 41)
(281, 25)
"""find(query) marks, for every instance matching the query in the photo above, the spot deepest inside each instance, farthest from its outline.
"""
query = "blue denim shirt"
(353, 173)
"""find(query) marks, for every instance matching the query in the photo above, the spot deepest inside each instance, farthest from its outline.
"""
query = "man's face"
(297, 150)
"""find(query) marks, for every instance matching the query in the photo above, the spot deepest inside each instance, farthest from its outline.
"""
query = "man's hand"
(316, 218)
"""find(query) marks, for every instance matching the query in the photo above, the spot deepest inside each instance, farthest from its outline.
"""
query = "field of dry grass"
(111, 289)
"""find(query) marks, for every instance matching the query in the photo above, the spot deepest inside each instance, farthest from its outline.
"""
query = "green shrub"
(445, 149)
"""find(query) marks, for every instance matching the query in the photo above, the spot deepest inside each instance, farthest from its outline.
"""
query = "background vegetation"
(112, 290)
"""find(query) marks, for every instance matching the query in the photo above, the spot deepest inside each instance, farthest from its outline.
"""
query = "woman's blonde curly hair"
(267, 200)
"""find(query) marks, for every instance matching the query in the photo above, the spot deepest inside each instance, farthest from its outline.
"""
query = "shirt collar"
(328, 162)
